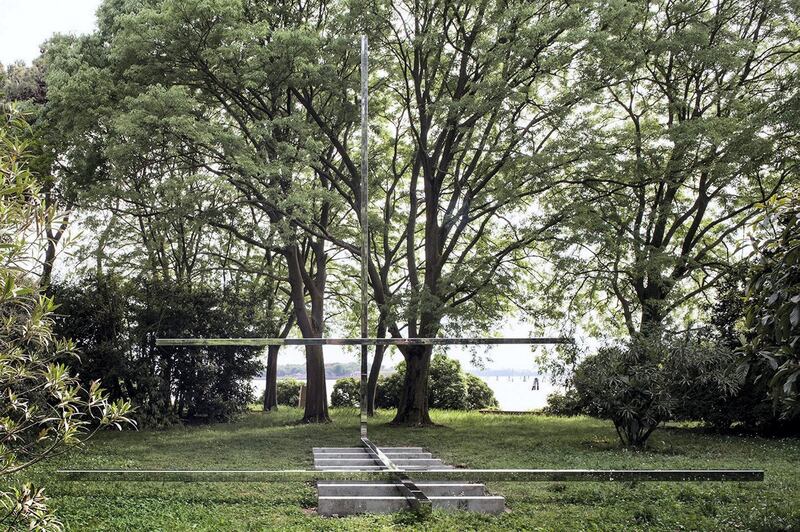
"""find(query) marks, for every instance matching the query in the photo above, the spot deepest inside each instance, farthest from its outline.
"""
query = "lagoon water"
(513, 394)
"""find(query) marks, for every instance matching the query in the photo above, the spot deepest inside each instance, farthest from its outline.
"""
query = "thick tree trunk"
(271, 384)
(413, 407)
(372, 380)
(316, 410)
(652, 315)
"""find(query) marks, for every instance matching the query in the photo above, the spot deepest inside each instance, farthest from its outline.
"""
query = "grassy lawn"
(274, 441)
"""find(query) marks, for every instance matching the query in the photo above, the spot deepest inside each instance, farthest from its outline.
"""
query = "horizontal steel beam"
(485, 475)
(359, 341)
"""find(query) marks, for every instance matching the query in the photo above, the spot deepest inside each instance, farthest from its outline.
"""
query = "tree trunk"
(413, 407)
(316, 410)
(271, 384)
(47, 265)
(652, 316)
(372, 381)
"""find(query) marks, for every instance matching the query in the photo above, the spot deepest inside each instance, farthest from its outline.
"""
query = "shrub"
(479, 394)
(387, 394)
(448, 385)
(450, 388)
(114, 323)
(565, 404)
(772, 314)
(626, 385)
(288, 391)
(43, 407)
(750, 406)
(346, 392)
(639, 384)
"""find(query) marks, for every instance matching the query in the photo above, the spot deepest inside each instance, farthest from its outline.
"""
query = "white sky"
(26, 24)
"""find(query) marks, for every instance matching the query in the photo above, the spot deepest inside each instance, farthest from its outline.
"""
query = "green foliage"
(387, 394)
(642, 383)
(449, 389)
(288, 391)
(448, 384)
(749, 407)
(479, 394)
(566, 404)
(346, 392)
(691, 124)
(20, 83)
(115, 322)
(43, 407)
(772, 313)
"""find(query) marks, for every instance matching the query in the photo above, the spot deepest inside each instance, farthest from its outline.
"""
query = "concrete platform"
(339, 498)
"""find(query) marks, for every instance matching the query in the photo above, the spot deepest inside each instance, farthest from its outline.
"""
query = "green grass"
(275, 441)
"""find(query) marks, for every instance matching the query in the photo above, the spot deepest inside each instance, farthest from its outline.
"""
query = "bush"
(346, 392)
(449, 389)
(750, 407)
(772, 314)
(479, 394)
(626, 385)
(387, 394)
(640, 384)
(43, 407)
(565, 404)
(288, 391)
(448, 385)
(115, 322)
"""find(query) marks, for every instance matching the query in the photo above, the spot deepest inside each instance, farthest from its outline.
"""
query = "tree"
(43, 408)
(27, 87)
(690, 130)
(462, 153)
(239, 123)
(772, 307)
(165, 215)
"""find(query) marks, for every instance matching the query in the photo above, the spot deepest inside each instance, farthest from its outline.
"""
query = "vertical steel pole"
(364, 232)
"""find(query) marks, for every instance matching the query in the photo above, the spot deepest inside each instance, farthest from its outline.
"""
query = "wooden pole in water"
(364, 230)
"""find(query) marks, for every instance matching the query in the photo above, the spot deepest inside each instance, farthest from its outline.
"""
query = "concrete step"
(379, 488)
(391, 456)
(400, 456)
(344, 461)
(343, 455)
(406, 462)
(373, 467)
(432, 463)
(316, 450)
(348, 505)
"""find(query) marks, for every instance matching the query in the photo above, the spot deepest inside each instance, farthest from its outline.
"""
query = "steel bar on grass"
(484, 475)
(257, 342)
